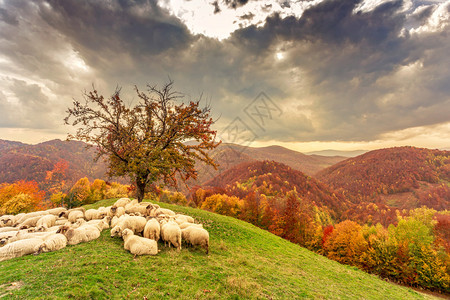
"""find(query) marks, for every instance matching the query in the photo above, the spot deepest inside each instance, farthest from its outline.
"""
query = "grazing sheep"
(7, 220)
(101, 224)
(116, 211)
(46, 221)
(56, 211)
(43, 228)
(152, 230)
(171, 234)
(8, 234)
(9, 228)
(167, 211)
(20, 248)
(25, 234)
(20, 219)
(122, 202)
(60, 221)
(63, 214)
(141, 209)
(78, 223)
(139, 245)
(188, 218)
(30, 222)
(185, 225)
(136, 224)
(94, 214)
(130, 204)
(79, 235)
(196, 236)
(75, 215)
(53, 242)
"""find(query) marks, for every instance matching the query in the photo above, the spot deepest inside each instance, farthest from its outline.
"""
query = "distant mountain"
(230, 155)
(5, 145)
(31, 162)
(401, 177)
(331, 152)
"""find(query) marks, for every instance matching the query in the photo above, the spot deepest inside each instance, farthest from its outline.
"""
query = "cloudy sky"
(308, 75)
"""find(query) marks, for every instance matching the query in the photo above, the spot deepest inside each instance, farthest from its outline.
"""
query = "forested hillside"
(403, 177)
(31, 162)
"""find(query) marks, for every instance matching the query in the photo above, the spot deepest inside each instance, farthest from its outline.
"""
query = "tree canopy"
(148, 141)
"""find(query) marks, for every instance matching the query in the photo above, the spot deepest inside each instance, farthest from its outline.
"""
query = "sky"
(306, 75)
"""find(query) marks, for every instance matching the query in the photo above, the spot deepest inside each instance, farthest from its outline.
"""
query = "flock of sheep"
(140, 225)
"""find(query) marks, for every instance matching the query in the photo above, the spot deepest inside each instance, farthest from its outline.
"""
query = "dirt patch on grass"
(8, 287)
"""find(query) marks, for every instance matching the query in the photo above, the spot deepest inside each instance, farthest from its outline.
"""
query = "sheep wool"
(53, 242)
(152, 230)
(139, 245)
(171, 234)
(136, 224)
(79, 235)
(46, 221)
(30, 222)
(56, 211)
(75, 215)
(20, 248)
(94, 214)
(196, 236)
(122, 202)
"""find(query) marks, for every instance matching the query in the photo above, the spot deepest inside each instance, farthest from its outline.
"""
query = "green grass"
(245, 262)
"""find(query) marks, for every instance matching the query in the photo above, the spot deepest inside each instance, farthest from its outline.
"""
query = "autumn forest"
(385, 212)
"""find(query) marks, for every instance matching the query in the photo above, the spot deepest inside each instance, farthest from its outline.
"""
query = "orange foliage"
(346, 244)
(21, 196)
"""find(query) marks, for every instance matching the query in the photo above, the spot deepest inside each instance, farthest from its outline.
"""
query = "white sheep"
(185, 225)
(130, 204)
(22, 218)
(171, 234)
(139, 245)
(142, 209)
(116, 211)
(8, 234)
(152, 230)
(46, 221)
(9, 228)
(94, 214)
(56, 211)
(30, 222)
(196, 236)
(60, 221)
(122, 202)
(79, 235)
(20, 248)
(43, 228)
(101, 224)
(74, 215)
(53, 242)
(7, 220)
(136, 224)
(188, 218)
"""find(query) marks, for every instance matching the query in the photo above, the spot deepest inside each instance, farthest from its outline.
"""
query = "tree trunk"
(140, 185)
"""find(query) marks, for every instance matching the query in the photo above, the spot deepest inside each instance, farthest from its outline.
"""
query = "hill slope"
(31, 162)
(244, 262)
(403, 177)
(269, 177)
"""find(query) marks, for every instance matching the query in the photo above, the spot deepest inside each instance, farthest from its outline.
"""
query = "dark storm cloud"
(137, 27)
(330, 22)
(335, 73)
(348, 58)
(8, 17)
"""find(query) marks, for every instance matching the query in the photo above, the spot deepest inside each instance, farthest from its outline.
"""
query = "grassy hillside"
(244, 262)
